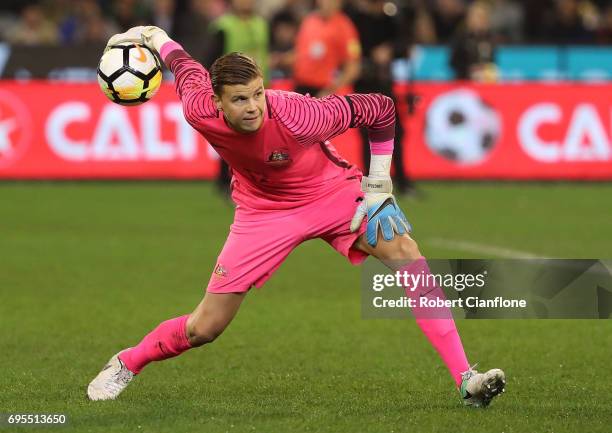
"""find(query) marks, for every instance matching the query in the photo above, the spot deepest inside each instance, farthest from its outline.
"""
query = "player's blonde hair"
(231, 69)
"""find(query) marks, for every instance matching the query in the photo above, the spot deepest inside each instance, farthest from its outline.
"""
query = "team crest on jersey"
(220, 271)
(279, 157)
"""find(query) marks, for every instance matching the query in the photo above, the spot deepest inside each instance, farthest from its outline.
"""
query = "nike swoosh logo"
(142, 56)
(387, 202)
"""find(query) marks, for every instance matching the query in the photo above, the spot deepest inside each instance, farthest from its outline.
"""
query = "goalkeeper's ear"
(217, 101)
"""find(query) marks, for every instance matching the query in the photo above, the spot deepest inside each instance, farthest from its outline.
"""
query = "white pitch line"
(473, 247)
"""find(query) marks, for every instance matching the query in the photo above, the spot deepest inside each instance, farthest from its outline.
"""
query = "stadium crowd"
(471, 27)
(421, 21)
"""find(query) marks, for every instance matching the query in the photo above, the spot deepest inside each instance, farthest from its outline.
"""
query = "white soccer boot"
(109, 383)
(478, 389)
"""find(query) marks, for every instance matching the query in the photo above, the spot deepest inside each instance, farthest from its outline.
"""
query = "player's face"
(243, 105)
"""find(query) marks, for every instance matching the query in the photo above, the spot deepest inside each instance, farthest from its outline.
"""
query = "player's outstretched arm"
(192, 80)
(314, 120)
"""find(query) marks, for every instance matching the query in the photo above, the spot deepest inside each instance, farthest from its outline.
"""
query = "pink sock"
(168, 340)
(437, 323)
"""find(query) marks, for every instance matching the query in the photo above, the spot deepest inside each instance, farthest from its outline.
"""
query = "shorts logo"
(220, 271)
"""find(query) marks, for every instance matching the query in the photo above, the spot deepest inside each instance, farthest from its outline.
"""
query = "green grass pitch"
(86, 269)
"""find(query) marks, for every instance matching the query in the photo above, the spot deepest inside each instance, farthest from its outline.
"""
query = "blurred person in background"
(447, 17)
(377, 25)
(298, 9)
(507, 21)
(268, 8)
(283, 30)
(96, 29)
(162, 14)
(424, 31)
(129, 13)
(56, 11)
(194, 31)
(416, 26)
(534, 14)
(604, 32)
(570, 22)
(327, 51)
(472, 48)
(241, 30)
(84, 22)
(33, 28)
(284, 27)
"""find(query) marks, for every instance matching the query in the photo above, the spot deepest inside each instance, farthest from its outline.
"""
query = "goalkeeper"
(289, 185)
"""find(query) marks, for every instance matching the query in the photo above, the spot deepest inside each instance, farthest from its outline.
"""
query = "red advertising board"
(458, 131)
(510, 131)
(71, 131)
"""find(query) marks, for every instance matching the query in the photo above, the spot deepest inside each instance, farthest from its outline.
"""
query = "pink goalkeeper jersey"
(289, 160)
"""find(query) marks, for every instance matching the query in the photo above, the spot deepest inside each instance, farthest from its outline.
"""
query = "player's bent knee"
(401, 248)
(409, 249)
(203, 333)
(200, 337)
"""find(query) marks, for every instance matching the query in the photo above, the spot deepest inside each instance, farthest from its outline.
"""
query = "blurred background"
(487, 89)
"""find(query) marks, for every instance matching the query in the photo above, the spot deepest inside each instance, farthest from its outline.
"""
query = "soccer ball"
(129, 74)
(461, 127)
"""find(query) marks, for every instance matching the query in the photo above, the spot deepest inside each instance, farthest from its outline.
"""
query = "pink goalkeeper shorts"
(259, 241)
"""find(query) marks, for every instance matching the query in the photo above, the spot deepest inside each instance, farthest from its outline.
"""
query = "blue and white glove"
(382, 210)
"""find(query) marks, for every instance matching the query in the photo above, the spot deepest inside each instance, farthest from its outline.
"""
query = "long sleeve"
(193, 84)
(312, 120)
(376, 112)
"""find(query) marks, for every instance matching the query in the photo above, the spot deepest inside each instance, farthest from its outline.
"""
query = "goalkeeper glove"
(150, 36)
(382, 210)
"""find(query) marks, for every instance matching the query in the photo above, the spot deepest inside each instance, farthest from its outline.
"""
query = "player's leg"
(167, 340)
(402, 254)
(212, 316)
(175, 336)
(331, 217)
(255, 248)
